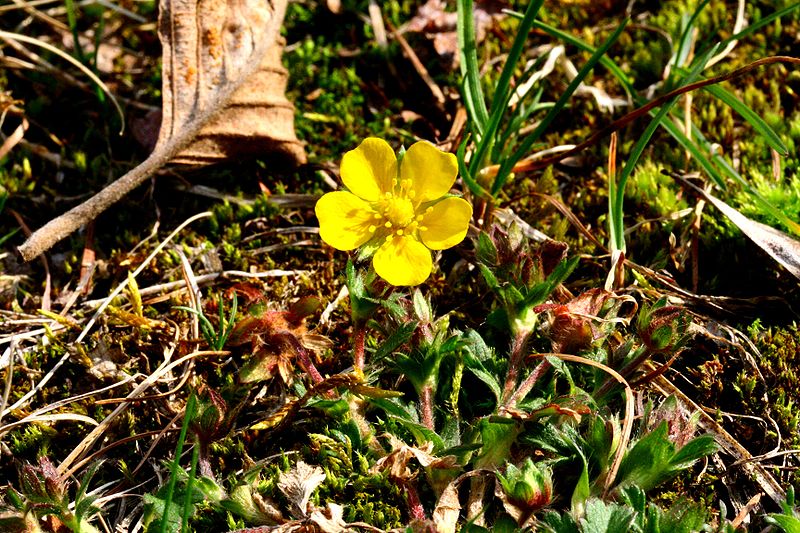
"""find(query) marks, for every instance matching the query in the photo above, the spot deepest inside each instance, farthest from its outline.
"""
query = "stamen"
(400, 233)
(372, 228)
(387, 225)
(423, 228)
(411, 194)
(419, 218)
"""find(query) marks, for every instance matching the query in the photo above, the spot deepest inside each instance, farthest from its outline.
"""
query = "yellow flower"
(403, 205)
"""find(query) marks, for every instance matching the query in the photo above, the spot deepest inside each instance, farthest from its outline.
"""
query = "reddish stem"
(514, 364)
(426, 405)
(204, 463)
(414, 505)
(359, 335)
(529, 383)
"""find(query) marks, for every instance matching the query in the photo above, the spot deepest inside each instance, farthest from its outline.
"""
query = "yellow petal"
(344, 220)
(368, 170)
(403, 261)
(431, 171)
(446, 224)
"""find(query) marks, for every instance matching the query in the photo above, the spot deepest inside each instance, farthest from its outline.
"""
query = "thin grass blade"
(468, 50)
(528, 142)
(751, 117)
(616, 212)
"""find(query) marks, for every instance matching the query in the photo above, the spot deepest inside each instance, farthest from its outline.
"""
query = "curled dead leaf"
(223, 97)
(298, 484)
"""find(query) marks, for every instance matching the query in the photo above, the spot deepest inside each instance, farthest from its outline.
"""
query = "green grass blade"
(518, 46)
(751, 117)
(502, 93)
(684, 43)
(570, 39)
(476, 104)
(616, 212)
(474, 187)
(714, 165)
(176, 463)
(528, 142)
(187, 502)
(756, 26)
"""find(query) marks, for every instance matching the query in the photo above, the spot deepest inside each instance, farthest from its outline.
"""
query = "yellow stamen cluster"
(396, 211)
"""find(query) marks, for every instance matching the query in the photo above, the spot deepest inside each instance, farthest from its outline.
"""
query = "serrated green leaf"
(486, 251)
(604, 517)
(422, 434)
(401, 335)
(694, 450)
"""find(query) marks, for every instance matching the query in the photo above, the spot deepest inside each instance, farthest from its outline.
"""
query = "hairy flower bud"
(525, 490)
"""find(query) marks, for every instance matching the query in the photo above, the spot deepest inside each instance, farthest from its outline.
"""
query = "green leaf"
(467, 48)
(422, 434)
(489, 276)
(540, 292)
(789, 524)
(154, 519)
(648, 462)
(395, 408)
(604, 517)
(693, 451)
(497, 437)
(582, 490)
(395, 340)
(422, 307)
(486, 251)
(480, 372)
(758, 123)
(560, 523)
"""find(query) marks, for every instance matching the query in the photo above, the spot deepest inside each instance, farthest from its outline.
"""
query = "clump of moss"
(780, 351)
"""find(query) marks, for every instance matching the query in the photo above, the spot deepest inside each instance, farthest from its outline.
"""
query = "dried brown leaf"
(257, 118)
(439, 25)
(223, 97)
(329, 519)
(445, 515)
(299, 484)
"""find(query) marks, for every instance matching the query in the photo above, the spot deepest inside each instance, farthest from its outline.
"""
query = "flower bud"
(527, 489)
(663, 328)
(209, 419)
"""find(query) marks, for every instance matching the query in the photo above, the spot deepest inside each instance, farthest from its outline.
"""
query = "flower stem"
(415, 508)
(203, 461)
(359, 335)
(426, 405)
(529, 383)
(514, 363)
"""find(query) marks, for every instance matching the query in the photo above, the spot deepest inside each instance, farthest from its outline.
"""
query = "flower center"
(395, 212)
(398, 211)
